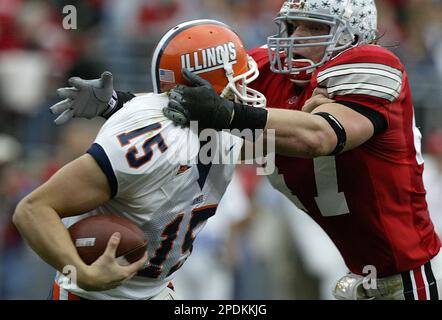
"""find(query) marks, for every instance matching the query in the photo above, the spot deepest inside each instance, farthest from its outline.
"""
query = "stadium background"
(257, 247)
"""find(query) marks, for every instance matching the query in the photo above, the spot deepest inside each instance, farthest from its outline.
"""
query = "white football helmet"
(352, 22)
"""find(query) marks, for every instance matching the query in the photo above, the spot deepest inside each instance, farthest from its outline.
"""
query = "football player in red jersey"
(353, 163)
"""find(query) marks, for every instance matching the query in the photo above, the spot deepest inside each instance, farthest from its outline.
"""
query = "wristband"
(113, 102)
(247, 117)
(116, 102)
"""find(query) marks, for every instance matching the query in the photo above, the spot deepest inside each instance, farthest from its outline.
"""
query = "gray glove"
(85, 99)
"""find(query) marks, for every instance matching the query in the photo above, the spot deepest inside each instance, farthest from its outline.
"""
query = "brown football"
(91, 235)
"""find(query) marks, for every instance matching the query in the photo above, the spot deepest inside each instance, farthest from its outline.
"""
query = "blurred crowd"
(258, 248)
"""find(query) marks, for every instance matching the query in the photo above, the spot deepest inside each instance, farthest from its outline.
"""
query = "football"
(91, 235)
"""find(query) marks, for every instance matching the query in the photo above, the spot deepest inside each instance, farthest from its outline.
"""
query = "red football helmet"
(212, 50)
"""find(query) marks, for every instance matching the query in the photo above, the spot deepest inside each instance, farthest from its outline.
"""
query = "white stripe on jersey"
(373, 79)
(361, 71)
(358, 79)
(427, 285)
(366, 89)
(413, 283)
(64, 295)
(360, 66)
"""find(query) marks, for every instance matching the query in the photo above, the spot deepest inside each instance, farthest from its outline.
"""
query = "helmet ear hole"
(356, 40)
(290, 28)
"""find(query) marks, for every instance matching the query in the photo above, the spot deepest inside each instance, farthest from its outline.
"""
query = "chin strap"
(226, 93)
(300, 82)
(303, 76)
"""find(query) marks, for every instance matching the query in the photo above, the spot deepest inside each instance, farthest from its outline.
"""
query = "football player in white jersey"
(146, 169)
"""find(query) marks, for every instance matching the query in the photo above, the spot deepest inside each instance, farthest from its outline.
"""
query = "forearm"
(78, 187)
(300, 134)
(293, 133)
(45, 233)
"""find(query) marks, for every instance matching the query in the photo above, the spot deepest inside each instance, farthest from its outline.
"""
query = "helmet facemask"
(237, 87)
(282, 46)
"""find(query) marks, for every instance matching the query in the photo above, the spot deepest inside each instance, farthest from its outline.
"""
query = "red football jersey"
(369, 200)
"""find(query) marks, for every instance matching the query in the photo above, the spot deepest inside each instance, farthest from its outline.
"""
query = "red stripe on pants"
(420, 284)
(72, 296)
(55, 292)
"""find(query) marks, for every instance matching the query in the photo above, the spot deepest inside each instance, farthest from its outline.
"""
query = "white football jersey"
(162, 182)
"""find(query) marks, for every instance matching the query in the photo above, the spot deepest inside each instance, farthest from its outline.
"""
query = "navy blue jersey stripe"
(408, 287)
(100, 156)
(204, 168)
(434, 295)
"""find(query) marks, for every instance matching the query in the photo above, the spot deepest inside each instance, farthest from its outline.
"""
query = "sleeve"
(367, 77)
(130, 156)
(377, 119)
(110, 156)
(97, 152)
